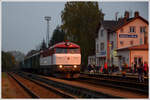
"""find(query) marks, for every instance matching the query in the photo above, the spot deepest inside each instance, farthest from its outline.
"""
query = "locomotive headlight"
(75, 66)
(60, 66)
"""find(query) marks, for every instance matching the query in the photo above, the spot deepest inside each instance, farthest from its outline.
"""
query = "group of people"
(93, 68)
(140, 68)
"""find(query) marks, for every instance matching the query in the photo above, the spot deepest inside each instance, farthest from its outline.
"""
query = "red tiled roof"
(138, 47)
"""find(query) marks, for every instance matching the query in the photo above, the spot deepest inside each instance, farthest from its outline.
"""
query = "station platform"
(114, 74)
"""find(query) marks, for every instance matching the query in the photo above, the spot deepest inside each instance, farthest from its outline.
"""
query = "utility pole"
(47, 18)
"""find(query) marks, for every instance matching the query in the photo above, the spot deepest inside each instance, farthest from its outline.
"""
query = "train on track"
(61, 60)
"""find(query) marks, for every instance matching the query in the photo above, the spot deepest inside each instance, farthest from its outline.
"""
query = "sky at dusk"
(24, 27)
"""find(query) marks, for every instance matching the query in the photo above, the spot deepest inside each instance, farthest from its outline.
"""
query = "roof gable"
(131, 20)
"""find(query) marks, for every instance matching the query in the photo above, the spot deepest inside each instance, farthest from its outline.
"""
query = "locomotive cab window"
(73, 50)
(61, 50)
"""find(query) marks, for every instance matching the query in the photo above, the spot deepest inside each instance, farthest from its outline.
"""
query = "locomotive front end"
(68, 60)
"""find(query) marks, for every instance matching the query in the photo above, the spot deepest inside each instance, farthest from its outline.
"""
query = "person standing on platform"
(105, 68)
(145, 68)
(132, 68)
(140, 72)
(94, 68)
(101, 69)
(135, 67)
(89, 67)
(113, 68)
(124, 66)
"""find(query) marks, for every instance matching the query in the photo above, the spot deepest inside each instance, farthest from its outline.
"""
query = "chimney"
(136, 14)
(126, 16)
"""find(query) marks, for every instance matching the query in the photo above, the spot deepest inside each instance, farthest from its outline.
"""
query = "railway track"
(24, 87)
(37, 89)
(74, 90)
(81, 91)
(116, 83)
(130, 78)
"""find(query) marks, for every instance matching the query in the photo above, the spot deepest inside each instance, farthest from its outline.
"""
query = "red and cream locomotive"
(62, 60)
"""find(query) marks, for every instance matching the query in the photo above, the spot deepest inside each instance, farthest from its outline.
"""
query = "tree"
(8, 61)
(80, 22)
(19, 56)
(31, 52)
(58, 36)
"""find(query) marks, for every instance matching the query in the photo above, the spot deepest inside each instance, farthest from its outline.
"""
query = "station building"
(122, 41)
(132, 40)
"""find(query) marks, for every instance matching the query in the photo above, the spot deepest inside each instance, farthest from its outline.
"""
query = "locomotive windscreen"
(68, 50)
(61, 50)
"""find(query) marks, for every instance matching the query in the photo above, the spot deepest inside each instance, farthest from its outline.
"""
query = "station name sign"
(127, 36)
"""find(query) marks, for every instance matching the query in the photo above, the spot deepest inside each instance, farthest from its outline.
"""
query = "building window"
(142, 29)
(132, 29)
(141, 41)
(112, 44)
(131, 42)
(102, 46)
(135, 60)
(97, 48)
(102, 33)
(123, 59)
(121, 42)
(121, 30)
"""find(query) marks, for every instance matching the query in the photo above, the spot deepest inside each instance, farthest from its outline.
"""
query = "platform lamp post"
(47, 18)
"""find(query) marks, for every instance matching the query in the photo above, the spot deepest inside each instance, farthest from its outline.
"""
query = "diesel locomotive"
(61, 60)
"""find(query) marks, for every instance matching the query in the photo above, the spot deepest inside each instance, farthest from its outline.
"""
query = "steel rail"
(51, 88)
(118, 77)
(141, 88)
(80, 92)
(33, 95)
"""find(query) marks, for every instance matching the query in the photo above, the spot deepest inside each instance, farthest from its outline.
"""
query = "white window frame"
(132, 29)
